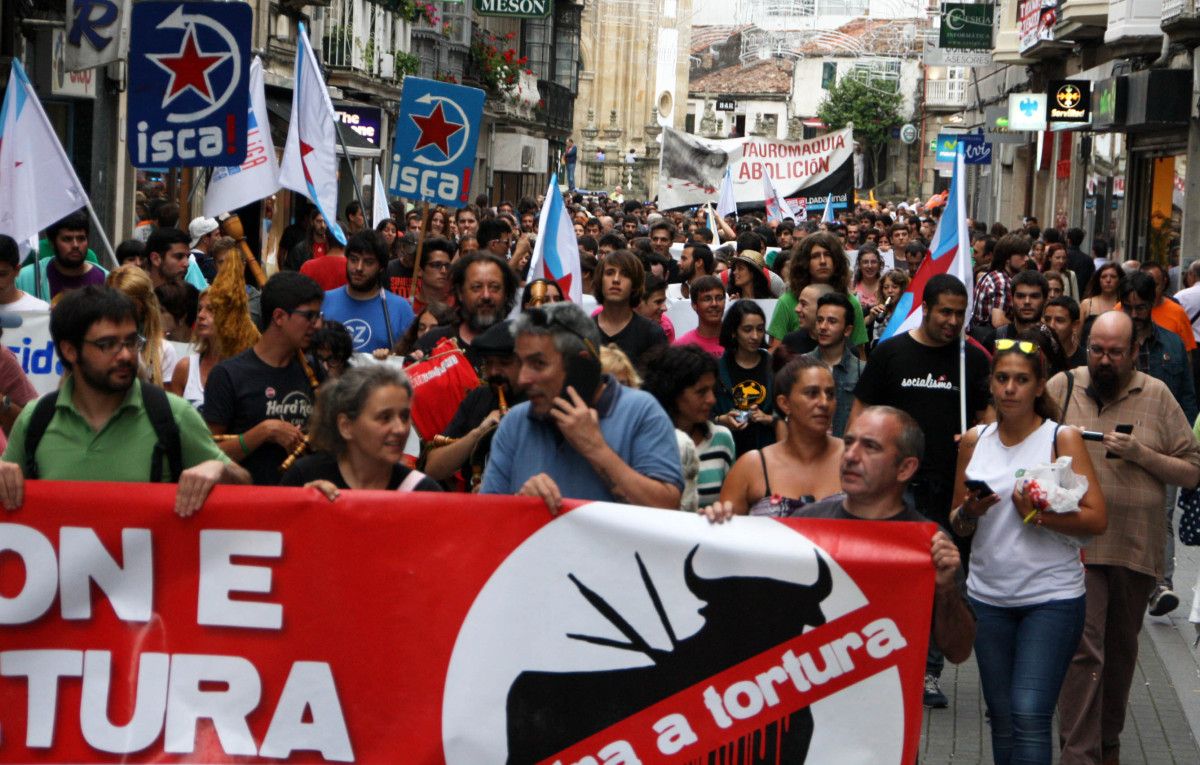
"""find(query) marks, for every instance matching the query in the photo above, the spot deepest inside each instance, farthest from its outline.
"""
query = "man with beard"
(1122, 564)
(69, 268)
(481, 411)
(1163, 357)
(315, 243)
(695, 261)
(104, 424)
(1030, 290)
(374, 317)
(263, 394)
(486, 289)
(580, 434)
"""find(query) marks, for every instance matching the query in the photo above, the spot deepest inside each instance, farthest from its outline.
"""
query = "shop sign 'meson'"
(514, 9)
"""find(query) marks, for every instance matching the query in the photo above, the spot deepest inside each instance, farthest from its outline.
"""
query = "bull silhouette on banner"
(548, 712)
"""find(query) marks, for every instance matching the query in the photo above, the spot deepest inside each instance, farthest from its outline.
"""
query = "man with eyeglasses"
(1147, 444)
(579, 434)
(263, 394)
(1162, 355)
(708, 301)
(104, 424)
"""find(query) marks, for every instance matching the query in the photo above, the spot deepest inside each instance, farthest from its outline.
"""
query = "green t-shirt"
(784, 319)
(120, 451)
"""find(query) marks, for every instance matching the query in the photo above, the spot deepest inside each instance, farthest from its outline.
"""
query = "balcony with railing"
(1181, 20)
(949, 94)
(364, 38)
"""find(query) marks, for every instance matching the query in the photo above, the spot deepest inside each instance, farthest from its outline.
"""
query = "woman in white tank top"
(1025, 585)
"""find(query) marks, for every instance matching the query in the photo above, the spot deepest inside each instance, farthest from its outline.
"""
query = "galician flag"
(379, 205)
(726, 203)
(711, 218)
(951, 254)
(310, 157)
(778, 210)
(556, 253)
(38, 185)
(256, 178)
(827, 217)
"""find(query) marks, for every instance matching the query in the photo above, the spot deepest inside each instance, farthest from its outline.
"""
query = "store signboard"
(1069, 101)
(966, 27)
(514, 9)
(1027, 111)
(1035, 22)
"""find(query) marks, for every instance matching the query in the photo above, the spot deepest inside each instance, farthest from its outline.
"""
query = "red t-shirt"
(328, 271)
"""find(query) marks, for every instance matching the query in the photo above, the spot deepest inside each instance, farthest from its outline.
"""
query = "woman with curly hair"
(157, 360)
(818, 259)
(223, 329)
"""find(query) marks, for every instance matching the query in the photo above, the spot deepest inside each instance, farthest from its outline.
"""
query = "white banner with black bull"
(811, 169)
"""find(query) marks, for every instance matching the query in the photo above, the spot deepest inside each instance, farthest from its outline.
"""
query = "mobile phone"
(583, 374)
(1122, 428)
(979, 488)
(1092, 435)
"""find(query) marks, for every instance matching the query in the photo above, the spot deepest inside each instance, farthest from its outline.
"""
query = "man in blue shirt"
(360, 305)
(580, 434)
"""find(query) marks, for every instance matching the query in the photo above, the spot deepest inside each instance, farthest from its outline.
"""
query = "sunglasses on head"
(541, 318)
(1027, 347)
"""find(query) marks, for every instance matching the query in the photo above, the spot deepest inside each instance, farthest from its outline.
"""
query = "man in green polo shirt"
(100, 429)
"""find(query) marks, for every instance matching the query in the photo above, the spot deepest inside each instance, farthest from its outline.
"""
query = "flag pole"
(962, 379)
(108, 248)
(350, 164)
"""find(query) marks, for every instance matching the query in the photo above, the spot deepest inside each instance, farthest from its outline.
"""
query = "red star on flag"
(189, 68)
(305, 150)
(435, 130)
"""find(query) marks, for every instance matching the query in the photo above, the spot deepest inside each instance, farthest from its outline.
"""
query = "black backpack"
(158, 408)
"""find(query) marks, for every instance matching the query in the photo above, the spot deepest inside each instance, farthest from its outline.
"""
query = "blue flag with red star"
(437, 132)
(310, 161)
(189, 91)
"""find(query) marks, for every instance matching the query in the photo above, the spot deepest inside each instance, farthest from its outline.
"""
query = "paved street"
(1163, 724)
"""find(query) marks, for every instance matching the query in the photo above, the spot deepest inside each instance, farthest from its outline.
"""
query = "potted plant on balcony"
(413, 10)
(406, 64)
(497, 63)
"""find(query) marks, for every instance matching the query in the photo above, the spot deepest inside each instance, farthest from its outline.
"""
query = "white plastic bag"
(1055, 488)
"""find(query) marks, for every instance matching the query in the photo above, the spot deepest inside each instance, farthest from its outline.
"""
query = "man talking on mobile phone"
(580, 434)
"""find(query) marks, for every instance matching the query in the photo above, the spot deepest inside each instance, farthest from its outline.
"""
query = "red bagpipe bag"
(440, 383)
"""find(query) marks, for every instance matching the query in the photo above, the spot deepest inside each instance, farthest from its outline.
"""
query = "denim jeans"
(570, 176)
(1023, 655)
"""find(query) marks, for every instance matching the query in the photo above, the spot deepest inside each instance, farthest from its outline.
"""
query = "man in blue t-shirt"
(360, 305)
(580, 434)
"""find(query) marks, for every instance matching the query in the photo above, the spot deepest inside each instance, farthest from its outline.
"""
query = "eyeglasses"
(1027, 347)
(710, 299)
(1116, 354)
(310, 315)
(111, 345)
(1136, 307)
(441, 265)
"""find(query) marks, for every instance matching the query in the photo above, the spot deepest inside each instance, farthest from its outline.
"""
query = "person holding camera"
(579, 434)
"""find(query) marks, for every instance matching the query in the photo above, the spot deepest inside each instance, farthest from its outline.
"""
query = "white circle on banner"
(521, 619)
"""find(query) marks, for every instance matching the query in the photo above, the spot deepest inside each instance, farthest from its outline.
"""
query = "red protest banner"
(385, 627)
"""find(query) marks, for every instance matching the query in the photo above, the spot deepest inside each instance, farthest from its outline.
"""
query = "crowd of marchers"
(792, 388)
